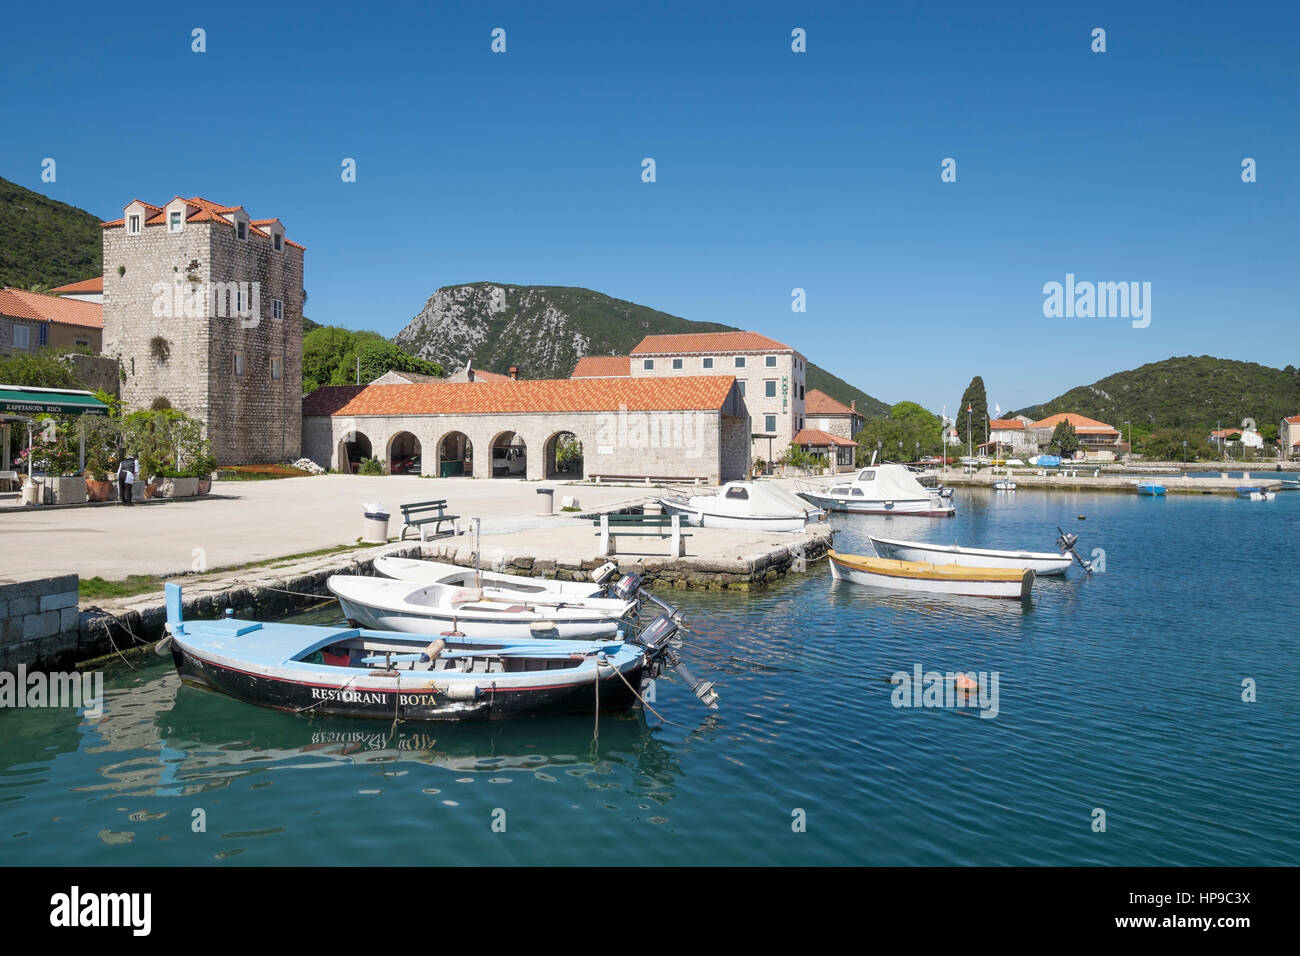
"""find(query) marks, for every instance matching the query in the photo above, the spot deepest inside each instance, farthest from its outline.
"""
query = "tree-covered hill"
(44, 242)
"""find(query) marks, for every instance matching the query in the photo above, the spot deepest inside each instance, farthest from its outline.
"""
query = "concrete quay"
(1085, 480)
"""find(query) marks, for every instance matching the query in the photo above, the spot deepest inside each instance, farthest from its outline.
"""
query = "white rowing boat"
(923, 577)
(1040, 562)
(437, 572)
(389, 604)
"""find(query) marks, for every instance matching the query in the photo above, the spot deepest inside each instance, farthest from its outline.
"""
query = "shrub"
(371, 466)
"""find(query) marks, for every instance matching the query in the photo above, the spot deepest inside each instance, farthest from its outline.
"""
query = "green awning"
(49, 401)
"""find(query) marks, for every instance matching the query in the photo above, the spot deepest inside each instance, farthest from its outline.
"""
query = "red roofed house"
(203, 308)
(692, 427)
(770, 375)
(823, 413)
(31, 321)
(1097, 440)
(1289, 436)
(87, 290)
(603, 366)
(837, 450)
(1010, 436)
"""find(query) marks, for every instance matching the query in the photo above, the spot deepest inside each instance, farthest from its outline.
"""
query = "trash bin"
(546, 501)
(375, 527)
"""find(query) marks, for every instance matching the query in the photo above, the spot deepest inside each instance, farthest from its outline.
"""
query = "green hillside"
(1184, 392)
(45, 242)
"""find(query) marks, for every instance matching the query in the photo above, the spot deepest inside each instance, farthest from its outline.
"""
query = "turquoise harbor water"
(1122, 691)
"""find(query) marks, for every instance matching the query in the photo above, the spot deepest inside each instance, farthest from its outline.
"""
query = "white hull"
(701, 518)
(1011, 589)
(436, 572)
(387, 604)
(925, 507)
(1042, 563)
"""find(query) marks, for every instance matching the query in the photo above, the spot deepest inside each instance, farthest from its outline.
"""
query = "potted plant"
(100, 436)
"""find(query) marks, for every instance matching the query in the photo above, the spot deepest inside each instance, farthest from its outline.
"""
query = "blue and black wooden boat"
(363, 673)
(1151, 489)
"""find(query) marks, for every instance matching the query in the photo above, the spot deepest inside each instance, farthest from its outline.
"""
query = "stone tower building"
(203, 308)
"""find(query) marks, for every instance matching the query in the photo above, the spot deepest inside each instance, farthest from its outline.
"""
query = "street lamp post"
(1130, 438)
(1184, 454)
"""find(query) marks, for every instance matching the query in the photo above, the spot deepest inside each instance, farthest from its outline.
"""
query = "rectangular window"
(769, 388)
(769, 423)
(677, 363)
(239, 363)
(770, 361)
(80, 341)
(801, 393)
(133, 226)
(277, 309)
(648, 364)
(44, 334)
(22, 336)
(279, 241)
(708, 363)
(740, 361)
(241, 229)
(275, 369)
(741, 383)
(174, 222)
(239, 301)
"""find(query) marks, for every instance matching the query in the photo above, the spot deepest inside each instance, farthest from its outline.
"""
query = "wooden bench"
(640, 526)
(421, 513)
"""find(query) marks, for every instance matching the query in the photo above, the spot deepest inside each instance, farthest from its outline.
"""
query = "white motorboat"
(437, 572)
(1004, 484)
(886, 489)
(923, 577)
(744, 506)
(390, 604)
(1040, 562)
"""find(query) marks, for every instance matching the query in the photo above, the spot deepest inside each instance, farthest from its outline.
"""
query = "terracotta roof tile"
(815, 436)
(603, 366)
(817, 402)
(1080, 423)
(699, 342)
(85, 285)
(1006, 423)
(208, 211)
(51, 308)
(687, 393)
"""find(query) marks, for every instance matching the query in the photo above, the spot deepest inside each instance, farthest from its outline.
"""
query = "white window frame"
(276, 370)
(769, 361)
(27, 331)
(769, 388)
(277, 308)
(175, 220)
(769, 427)
(707, 363)
(133, 224)
(648, 365)
(677, 364)
(740, 361)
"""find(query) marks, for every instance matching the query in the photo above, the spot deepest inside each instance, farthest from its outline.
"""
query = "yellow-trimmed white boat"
(923, 577)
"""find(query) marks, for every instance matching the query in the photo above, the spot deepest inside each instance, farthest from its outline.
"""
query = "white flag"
(997, 410)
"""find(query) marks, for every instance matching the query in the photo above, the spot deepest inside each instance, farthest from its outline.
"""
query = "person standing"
(126, 472)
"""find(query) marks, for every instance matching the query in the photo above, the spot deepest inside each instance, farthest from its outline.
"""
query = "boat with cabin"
(883, 489)
(745, 506)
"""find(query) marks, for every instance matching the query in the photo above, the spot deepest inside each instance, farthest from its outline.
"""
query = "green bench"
(610, 527)
(421, 513)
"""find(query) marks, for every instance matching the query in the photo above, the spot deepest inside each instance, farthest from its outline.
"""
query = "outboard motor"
(703, 689)
(605, 573)
(627, 586)
(1068, 544)
(654, 637)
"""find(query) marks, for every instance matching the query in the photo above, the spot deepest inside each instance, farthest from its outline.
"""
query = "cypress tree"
(975, 399)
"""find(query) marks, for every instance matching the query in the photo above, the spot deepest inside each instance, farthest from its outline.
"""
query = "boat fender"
(163, 646)
(466, 595)
(460, 691)
(542, 627)
(432, 652)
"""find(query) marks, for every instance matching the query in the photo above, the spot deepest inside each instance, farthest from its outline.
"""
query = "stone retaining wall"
(39, 620)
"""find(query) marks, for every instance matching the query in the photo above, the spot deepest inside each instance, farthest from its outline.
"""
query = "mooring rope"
(646, 703)
(267, 587)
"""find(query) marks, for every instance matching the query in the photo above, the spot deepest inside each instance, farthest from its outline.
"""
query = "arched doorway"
(509, 456)
(404, 454)
(564, 456)
(354, 447)
(455, 456)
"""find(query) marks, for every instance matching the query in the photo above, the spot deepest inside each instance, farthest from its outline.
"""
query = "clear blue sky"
(776, 170)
